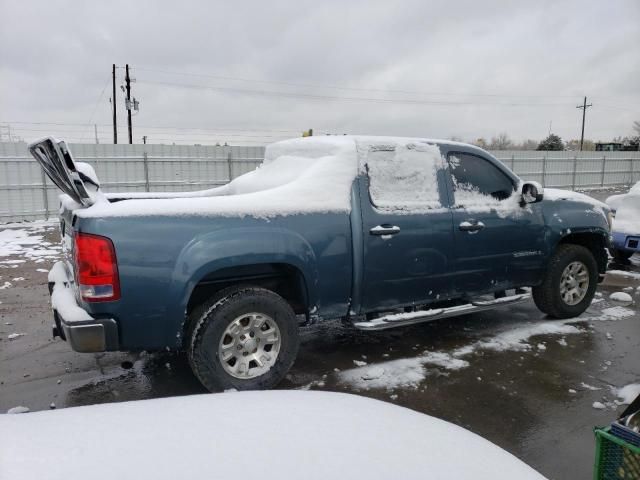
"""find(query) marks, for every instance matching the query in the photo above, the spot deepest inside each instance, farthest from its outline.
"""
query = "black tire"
(621, 255)
(547, 295)
(209, 322)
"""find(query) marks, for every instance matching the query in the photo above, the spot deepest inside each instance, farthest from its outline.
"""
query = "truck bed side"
(163, 262)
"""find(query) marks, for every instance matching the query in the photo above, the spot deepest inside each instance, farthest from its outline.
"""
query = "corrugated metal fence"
(574, 170)
(26, 194)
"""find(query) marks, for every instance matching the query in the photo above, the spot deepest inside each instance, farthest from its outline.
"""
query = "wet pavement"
(511, 375)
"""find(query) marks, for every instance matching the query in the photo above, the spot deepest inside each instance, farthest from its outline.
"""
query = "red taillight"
(96, 268)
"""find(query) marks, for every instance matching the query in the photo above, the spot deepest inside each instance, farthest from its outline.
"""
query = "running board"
(411, 318)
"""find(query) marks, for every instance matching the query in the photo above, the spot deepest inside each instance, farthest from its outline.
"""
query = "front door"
(407, 233)
(499, 242)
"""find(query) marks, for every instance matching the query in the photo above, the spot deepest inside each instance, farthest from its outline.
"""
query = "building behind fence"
(26, 193)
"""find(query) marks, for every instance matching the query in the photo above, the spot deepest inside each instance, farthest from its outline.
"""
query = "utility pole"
(584, 107)
(114, 106)
(129, 106)
(95, 131)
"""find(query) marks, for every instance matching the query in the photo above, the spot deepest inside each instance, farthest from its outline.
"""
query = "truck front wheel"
(244, 338)
(569, 283)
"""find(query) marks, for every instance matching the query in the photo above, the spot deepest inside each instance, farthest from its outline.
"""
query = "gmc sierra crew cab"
(381, 232)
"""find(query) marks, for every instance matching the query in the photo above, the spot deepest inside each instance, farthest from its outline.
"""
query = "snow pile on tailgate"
(274, 434)
(297, 176)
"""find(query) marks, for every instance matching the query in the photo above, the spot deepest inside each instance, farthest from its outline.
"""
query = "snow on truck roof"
(301, 175)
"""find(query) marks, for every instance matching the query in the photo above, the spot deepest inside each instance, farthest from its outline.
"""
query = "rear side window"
(477, 182)
(404, 177)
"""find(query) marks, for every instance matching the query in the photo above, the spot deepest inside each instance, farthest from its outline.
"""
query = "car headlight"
(610, 216)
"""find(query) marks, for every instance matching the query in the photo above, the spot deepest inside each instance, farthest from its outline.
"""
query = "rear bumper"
(84, 333)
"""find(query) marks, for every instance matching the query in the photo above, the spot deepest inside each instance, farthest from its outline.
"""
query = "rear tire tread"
(205, 314)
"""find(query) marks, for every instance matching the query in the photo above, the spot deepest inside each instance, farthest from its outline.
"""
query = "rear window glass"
(404, 177)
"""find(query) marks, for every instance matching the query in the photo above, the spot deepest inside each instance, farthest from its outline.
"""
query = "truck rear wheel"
(244, 338)
(569, 283)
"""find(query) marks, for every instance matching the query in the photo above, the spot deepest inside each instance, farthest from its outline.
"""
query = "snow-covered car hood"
(277, 434)
(554, 194)
(627, 219)
(615, 201)
(558, 194)
(627, 209)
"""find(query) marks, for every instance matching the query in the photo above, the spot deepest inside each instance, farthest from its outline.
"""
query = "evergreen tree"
(552, 142)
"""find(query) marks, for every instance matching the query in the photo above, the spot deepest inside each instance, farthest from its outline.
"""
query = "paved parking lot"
(525, 382)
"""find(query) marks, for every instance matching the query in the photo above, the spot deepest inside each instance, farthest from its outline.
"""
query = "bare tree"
(480, 142)
(529, 144)
(636, 126)
(501, 142)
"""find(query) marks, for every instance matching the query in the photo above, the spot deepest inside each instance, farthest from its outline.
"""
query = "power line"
(618, 107)
(357, 99)
(358, 89)
(93, 112)
(292, 130)
(222, 134)
(187, 140)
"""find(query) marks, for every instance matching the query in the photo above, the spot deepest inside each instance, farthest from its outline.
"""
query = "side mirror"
(532, 192)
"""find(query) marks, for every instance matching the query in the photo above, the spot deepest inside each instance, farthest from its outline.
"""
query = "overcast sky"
(267, 70)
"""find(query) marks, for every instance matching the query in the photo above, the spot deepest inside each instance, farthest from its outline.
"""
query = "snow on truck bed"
(274, 434)
(297, 176)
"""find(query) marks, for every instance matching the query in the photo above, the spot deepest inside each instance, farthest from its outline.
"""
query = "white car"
(625, 231)
(267, 435)
(615, 201)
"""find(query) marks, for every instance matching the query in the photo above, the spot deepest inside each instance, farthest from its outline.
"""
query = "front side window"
(477, 182)
(404, 177)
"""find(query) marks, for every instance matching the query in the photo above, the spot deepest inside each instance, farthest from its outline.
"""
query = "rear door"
(407, 226)
(499, 243)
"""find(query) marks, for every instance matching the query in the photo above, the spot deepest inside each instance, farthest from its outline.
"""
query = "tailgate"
(56, 161)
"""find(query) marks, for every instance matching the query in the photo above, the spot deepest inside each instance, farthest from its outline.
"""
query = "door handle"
(471, 226)
(384, 229)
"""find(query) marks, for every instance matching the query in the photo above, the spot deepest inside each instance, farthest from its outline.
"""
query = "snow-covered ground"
(628, 393)
(411, 372)
(273, 435)
(22, 242)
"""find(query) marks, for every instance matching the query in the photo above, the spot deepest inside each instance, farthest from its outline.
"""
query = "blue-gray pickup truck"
(381, 232)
